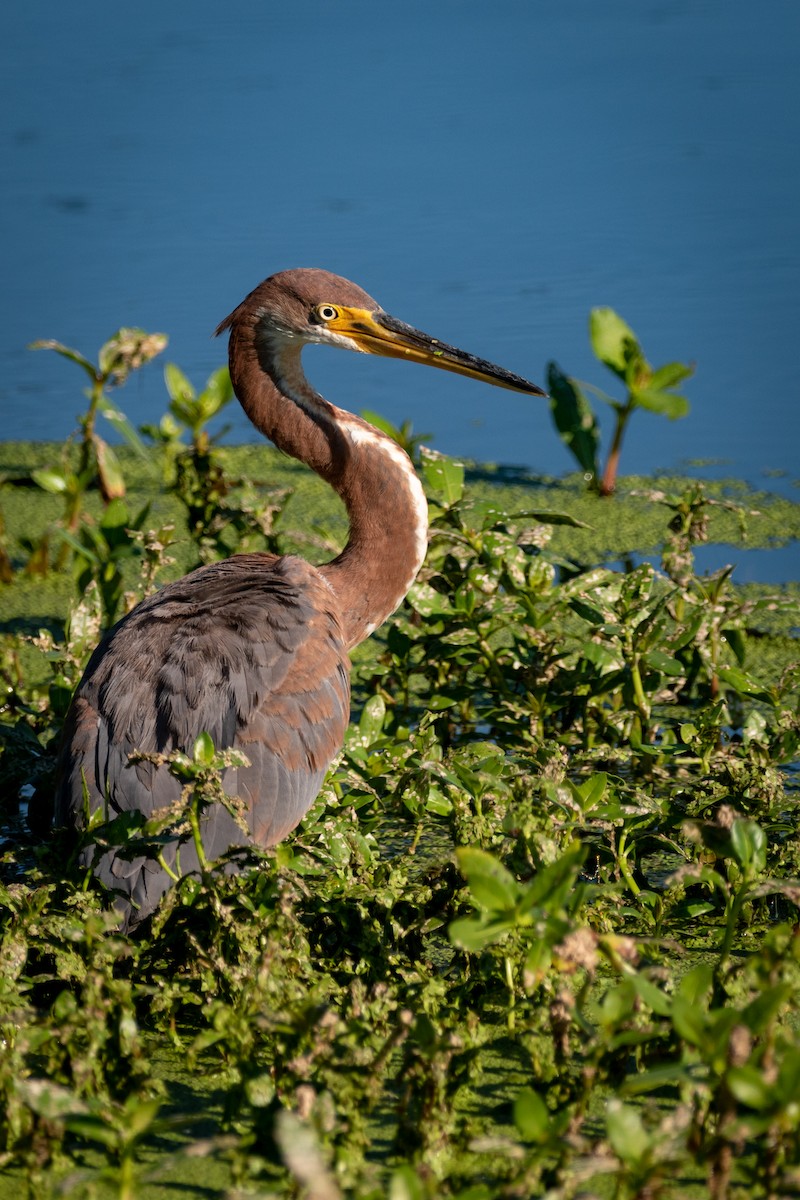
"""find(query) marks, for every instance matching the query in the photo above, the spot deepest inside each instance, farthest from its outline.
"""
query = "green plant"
(616, 346)
(97, 464)
(538, 934)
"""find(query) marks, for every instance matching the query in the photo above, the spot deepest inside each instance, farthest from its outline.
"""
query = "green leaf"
(372, 718)
(217, 393)
(761, 1011)
(626, 1132)
(538, 961)
(601, 658)
(203, 750)
(654, 998)
(93, 1129)
(690, 1021)
(750, 1087)
(658, 1077)
(545, 517)
(66, 352)
(531, 1116)
(460, 637)
(112, 481)
(180, 391)
(121, 423)
(115, 517)
(664, 663)
(427, 601)
(80, 548)
(592, 790)
(491, 885)
(445, 477)
(49, 480)
(437, 802)
(405, 1184)
(260, 1090)
(613, 340)
(382, 423)
(47, 1099)
(574, 418)
(743, 683)
(749, 843)
(670, 374)
(667, 404)
(552, 884)
(139, 1116)
(474, 935)
(737, 640)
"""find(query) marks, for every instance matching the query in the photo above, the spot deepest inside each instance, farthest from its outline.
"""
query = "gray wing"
(249, 650)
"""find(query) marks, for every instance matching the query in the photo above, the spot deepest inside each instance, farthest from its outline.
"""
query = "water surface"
(487, 172)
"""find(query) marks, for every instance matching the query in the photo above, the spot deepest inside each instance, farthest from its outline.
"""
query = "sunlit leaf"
(741, 682)
(491, 885)
(474, 935)
(50, 480)
(547, 517)
(664, 663)
(670, 374)
(626, 1132)
(594, 793)
(653, 996)
(667, 404)
(749, 844)
(112, 481)
(445, 477)
(750, 1087)
(121, 423)
(425, 600)
(531, 1116)
(371, 721)
(203, 749)
(66, 352)
(613, 340)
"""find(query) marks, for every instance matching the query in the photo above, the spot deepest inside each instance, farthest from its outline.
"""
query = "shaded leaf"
(574, 418)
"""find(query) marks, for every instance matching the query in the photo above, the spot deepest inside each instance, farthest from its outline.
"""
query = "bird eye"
(326, 312)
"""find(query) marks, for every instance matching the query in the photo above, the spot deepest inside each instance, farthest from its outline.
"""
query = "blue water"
(487, 172)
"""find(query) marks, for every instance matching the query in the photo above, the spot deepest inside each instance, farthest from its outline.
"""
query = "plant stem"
(608, 483)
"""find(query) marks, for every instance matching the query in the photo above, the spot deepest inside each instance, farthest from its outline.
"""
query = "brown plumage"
(253, 650)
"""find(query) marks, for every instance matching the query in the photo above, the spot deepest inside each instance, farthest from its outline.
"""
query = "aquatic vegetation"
(538, 935)
(617, 347)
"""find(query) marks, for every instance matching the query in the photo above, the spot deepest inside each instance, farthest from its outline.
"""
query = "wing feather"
(249, 650)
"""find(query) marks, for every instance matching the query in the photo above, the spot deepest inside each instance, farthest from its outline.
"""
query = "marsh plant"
(538, 935)
(616, 346)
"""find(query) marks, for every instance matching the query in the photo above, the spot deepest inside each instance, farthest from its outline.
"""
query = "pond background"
(488, 173)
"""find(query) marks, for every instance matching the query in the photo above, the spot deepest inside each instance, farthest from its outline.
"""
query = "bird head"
(313, 306)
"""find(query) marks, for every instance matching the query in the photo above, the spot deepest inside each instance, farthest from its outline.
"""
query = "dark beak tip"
(533, 389)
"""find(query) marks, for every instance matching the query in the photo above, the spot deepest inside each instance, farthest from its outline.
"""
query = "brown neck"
(374, 477)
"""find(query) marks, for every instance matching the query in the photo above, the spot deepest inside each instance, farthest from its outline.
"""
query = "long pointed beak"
(378, 333)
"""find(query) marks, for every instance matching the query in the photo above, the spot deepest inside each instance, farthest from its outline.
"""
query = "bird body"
(254, 650)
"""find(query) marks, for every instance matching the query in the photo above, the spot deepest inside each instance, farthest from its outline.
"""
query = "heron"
(254, 650)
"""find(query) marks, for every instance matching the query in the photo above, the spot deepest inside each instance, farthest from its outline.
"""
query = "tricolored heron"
(254, 650)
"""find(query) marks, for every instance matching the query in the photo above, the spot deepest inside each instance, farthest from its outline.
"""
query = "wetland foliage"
(538, 935)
